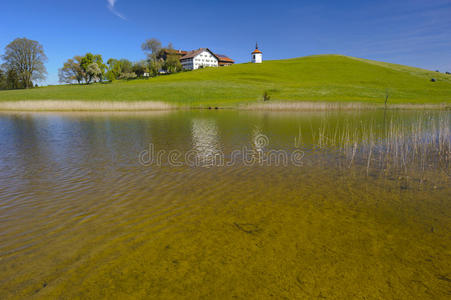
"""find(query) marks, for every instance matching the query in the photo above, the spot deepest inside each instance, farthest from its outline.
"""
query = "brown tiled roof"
(191, 54)
(220, 57)
(224, 58)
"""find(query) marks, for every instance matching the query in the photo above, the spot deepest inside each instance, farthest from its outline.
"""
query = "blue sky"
(411, 32)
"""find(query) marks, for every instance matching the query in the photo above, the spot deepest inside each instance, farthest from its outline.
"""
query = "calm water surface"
(81, 217)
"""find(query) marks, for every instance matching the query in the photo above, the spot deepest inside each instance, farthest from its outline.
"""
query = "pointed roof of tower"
(256, 49)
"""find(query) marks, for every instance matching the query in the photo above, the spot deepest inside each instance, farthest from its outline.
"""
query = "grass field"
(330, 78)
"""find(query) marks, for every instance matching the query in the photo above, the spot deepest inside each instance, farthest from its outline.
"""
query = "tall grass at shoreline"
(325, 106)
(59, 105)
(137, 106)
(419, 149)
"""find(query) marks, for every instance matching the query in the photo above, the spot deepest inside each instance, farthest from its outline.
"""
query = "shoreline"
(137, 106)
(325, 106)
(77, 105)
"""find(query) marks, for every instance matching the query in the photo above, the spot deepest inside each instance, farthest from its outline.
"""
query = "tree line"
(91, 67)
(23, 64)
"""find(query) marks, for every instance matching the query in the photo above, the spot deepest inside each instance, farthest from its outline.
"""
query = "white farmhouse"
(200, 58)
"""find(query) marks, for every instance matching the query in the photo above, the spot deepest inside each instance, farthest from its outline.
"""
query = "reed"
(396, 148)
(86, 105)
(325, 106)
(307, 106)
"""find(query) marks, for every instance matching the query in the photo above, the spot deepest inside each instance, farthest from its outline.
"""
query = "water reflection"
(205, 140)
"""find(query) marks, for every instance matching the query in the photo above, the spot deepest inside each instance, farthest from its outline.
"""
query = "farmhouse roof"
(224, 58)
(191, 54)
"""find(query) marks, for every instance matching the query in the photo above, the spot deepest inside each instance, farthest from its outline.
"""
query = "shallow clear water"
(84, 213)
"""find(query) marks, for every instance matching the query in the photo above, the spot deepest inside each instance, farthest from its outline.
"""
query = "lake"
(226, 204)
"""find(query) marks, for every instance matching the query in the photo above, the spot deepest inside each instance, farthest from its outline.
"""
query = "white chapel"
(257, 56)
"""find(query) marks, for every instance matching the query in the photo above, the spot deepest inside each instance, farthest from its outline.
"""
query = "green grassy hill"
(313, 78)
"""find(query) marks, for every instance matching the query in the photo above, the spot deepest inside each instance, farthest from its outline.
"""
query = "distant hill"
(312, 78)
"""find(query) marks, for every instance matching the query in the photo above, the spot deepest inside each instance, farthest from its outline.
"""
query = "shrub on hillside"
(128, 76)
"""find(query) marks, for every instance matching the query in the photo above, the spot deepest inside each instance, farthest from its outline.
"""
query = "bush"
(128, 76)
(433, 80)
(266, 96)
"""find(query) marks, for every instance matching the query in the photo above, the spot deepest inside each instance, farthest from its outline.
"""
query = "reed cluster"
(307, 106)
(393, 147)
(326, 106)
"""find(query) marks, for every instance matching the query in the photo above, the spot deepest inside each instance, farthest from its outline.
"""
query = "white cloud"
(111, 4)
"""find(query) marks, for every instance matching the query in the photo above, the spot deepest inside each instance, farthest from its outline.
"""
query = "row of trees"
(91, 68)
(23, 64)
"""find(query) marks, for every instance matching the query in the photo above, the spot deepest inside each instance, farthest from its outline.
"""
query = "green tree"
(99, 69)
(139, 68)
(84, 63)
(25, 58)
(3, 85)
(2, 80)
(13, 80)
(160, 58)
(71, 71)
(114, 69)
(102, 67)
(152, 48)
(172, 64)
(126, 66)
(94, 72)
